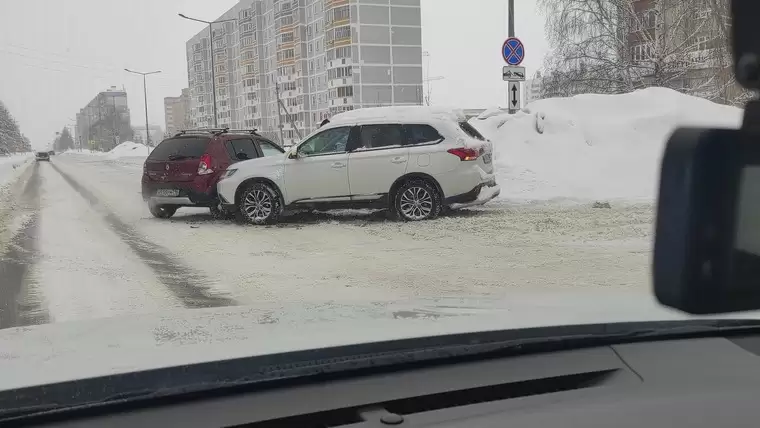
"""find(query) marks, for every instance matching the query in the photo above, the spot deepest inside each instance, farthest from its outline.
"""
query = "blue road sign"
(513, 51)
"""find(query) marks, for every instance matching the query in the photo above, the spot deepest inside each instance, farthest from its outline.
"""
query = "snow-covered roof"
(402, 114)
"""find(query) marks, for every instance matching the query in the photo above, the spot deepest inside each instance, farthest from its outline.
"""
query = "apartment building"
(283, 66)
(177, 112)
(104, 122)
(688, 34)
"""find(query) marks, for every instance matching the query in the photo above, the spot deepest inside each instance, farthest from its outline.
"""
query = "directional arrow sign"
(514, 95)
(513, 73)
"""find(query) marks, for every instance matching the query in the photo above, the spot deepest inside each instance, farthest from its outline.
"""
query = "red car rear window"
(189, 147)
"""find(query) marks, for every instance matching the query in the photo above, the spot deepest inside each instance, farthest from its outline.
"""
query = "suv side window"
(384, 135)
(241, 149)
(270, 149)
(328, 142)
(421, 134)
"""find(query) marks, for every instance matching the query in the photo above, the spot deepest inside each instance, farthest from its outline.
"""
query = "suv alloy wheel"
(417, 200)
(259, 204)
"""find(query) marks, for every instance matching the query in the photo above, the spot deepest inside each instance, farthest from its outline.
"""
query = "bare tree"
(616, 46)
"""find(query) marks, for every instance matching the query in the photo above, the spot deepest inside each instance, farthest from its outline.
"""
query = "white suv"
(411, 160)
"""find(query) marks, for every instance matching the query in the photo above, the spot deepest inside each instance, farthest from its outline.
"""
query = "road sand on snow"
(346, 257)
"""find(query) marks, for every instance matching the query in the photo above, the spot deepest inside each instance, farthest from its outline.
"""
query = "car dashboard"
(700, 382)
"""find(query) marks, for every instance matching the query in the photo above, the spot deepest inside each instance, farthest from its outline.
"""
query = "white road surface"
(83, 245)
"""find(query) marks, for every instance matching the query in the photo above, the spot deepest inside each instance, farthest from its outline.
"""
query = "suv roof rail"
(249, 131)
(215, 131)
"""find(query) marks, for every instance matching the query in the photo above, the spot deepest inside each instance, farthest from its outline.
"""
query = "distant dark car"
(182, 171)
(51, 153)
(42, 156)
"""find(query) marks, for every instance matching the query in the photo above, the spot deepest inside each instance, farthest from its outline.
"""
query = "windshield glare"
(320, 172)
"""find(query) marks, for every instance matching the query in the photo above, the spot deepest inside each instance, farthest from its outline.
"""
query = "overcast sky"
(56, 55)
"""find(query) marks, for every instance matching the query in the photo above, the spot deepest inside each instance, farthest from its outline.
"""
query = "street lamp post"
(211, 50)
(145, 92)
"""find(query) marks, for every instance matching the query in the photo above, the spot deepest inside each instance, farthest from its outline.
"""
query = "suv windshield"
(184, 147)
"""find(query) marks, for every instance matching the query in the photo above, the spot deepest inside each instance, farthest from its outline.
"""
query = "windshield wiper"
(350, 360)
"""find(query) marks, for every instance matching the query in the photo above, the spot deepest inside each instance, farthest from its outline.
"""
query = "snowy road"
(80, 244)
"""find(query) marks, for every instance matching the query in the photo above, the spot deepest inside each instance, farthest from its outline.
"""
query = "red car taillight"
(204, 167)
(464, 154)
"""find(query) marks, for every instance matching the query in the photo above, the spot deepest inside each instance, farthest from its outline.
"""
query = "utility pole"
(279, 112)
(145, 92)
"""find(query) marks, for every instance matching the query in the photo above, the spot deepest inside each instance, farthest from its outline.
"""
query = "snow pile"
(592, 147)
(11, 167)
(129, 149)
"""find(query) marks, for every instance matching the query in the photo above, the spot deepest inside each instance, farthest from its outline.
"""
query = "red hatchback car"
(182, 171)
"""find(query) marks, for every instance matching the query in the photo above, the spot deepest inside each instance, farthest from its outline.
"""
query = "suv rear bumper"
(480, 195)
(167, 200)
(187, 197)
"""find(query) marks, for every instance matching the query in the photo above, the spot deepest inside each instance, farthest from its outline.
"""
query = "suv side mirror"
(293, 154)
(242, 156)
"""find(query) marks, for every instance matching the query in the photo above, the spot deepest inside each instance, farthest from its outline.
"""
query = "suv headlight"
(229, 173)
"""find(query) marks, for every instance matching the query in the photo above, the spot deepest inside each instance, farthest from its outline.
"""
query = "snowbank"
(127, 149)
(12, 166)
(591, 147)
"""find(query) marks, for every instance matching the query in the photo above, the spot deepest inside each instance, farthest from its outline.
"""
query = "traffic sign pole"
(513, 52)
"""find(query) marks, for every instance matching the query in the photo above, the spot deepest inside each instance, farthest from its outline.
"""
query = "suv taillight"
(204, 167)
(464, 154)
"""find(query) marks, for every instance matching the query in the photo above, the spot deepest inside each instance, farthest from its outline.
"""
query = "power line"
(84, 67)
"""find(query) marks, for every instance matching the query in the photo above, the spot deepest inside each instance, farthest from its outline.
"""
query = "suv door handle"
(338, 165)
(398, 159)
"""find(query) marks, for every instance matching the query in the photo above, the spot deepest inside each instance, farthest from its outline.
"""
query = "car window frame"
(430, 143)
(228, 143)
(345, 151)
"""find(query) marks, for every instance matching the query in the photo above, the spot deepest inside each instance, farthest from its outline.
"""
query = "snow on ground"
(83, 266)
(591, 147)
(362, 257)
(12, 166)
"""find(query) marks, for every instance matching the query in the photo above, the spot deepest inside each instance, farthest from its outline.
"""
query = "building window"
(345, 91)
(246, 41)
(343, 32)
(340, 13)
(339, 73)
(642, 52)
(701, 43)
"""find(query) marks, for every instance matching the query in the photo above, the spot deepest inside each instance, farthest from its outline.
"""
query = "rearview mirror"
(707, 239)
